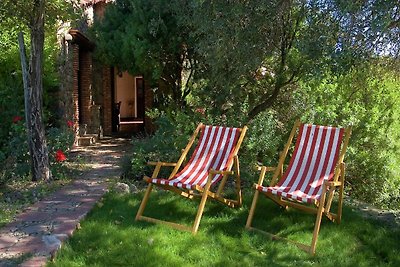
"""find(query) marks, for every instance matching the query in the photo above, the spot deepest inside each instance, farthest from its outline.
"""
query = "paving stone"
(35, 261)
(6, 241)
(67, 228)
(26, 245)
(33, 216)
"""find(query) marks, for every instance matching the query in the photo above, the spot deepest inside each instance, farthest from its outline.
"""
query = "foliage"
(14, 18)
(263, 64)
(16, 157)
(109, 237)
(369, 27)
(366, 98)
(243, 50)
(19, 13)
(15, 154)
(174, 129)
(146, 39)
(59, 139)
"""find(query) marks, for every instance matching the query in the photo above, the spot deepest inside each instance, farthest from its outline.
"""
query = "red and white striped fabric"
(314, 160)
(214, 151)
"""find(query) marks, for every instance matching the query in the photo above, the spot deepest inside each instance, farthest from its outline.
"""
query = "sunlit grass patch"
(110, 237)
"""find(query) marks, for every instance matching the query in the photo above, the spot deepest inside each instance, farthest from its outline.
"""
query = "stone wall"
(85, 87)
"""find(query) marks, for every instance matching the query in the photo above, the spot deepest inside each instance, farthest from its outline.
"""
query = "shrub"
(60, 141)
(174, 129)
(15, 154)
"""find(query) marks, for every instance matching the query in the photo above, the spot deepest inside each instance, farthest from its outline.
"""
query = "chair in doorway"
(209, 167)
(315, 171)
(116, 119)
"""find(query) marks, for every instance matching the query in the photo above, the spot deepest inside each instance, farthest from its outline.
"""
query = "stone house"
(99, 99)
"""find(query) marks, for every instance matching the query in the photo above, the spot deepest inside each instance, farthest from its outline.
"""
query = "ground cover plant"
(110, 237)
(20, 192)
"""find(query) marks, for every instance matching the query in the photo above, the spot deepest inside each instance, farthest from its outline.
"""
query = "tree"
(144, 37)
(31, 14)
(33, 88)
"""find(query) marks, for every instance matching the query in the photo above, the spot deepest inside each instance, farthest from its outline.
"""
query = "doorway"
(128, 103)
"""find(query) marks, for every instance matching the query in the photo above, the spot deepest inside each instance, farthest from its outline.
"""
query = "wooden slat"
(178, 191)
(167, 164)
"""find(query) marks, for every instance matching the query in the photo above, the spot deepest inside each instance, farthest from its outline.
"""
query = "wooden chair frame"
(320, 208)
(202, 192)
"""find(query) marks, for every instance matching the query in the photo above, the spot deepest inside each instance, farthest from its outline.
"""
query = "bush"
(59, 141)
(366, 98)
(15, 153)
(174, 129)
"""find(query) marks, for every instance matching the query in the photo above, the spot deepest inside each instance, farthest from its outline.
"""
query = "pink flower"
(16, 119)
(70, 124)
(60, 156)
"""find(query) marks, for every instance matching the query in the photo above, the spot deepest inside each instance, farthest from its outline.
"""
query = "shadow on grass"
(110, 237)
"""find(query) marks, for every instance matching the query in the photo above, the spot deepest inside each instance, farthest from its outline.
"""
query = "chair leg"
(201, 208)
(340, 206)
(252, 209)
(144, 202)
(318, 223)
(341, 195)
(238, 182)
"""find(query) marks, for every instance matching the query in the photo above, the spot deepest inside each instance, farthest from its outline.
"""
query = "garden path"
(38, 232)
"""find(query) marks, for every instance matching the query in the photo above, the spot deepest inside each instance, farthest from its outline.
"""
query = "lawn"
(109, 236)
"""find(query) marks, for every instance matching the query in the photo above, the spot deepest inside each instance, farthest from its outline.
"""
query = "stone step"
(87, 139)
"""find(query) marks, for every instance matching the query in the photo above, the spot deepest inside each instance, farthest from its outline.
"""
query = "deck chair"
(210, 164)
(316, 169)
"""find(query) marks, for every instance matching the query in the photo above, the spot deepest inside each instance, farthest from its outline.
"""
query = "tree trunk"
(33, 85)
(25, 79)
(27, 92)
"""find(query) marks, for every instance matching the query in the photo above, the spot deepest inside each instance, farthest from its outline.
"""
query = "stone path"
(38, 232)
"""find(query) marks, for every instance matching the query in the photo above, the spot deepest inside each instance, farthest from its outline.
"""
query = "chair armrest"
(263, 170)
(158, 166)
(160, 163)
(268, 169)
(334, 184)
(212, 171)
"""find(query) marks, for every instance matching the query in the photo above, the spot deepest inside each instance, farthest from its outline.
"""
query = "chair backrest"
(215, 149)
(314, 159)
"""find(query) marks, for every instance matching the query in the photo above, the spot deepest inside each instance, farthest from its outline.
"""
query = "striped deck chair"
(210, 165)
(315, 170)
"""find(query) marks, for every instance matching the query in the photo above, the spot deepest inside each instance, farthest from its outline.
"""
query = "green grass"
(110, 237)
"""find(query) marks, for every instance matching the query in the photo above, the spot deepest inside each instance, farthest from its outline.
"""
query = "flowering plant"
(60, 156)
(70, 124)
(16, 119)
